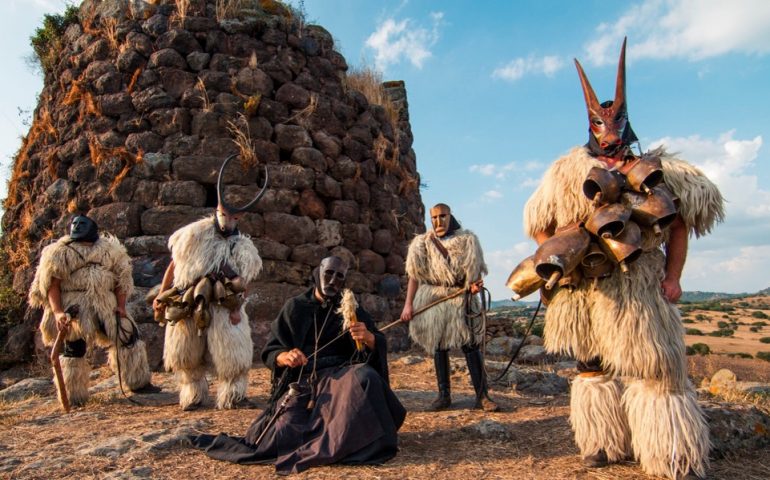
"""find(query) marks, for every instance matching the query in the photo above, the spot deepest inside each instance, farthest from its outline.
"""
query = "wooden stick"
(426, 307)
(57, 345)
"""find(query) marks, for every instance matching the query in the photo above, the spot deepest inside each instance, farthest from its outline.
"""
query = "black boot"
(475, 363)
(597, 460)
(441, 362)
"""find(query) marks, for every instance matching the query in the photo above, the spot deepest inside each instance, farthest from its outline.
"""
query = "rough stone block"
(166, 220)
(120, 219)
(183, 192)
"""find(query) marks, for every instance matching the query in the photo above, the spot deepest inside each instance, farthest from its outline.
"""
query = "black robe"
(355, 417)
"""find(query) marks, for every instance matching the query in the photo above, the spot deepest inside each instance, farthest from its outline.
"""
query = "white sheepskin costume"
(197, 250)
(89, 276)
(626, 321)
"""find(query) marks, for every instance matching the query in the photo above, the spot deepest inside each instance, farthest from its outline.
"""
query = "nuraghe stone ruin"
(144, 101)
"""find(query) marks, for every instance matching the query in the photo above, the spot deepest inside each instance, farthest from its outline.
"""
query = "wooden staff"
(426, 307)
(57, 345)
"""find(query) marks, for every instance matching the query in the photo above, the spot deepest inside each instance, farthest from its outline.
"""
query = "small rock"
(532, 354)
(502, 345)
(723, 380)
(488, 429)
(535, 382)
(411, 360)
(736, 428)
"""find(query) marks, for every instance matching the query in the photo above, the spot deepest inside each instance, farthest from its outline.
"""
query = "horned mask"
(610, 132)
(227, 215)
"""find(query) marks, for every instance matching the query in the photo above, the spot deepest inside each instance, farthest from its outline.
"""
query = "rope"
(118, 329)
(518, 349)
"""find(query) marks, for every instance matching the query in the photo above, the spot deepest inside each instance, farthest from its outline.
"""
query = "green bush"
(722, 332)
(688, 320)
(693, 331)
(722, 324)
(698, 348)
(744, 304)
(760, 324)
(764, 356)
(740, 355)
(700, 316)
(765, 339)
(759, 314)
(754, 329)
(46, 42)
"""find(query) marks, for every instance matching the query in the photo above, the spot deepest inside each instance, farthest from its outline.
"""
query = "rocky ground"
(111, 437)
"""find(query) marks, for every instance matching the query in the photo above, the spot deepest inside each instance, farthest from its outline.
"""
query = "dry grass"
(302, 116)
(369, 82)
(226, 9)
(204, 95)
(534, 440)
(181, 12)
(239, 130)
(110, 32)
(99, 154)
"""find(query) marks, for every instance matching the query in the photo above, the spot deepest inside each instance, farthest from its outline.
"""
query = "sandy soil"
(743, 340)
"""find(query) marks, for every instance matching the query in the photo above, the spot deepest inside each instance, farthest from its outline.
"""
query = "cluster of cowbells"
(625, 200)
(195, 302)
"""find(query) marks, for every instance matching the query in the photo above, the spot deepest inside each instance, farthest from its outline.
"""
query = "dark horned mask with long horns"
(227, 215)
(610, 132)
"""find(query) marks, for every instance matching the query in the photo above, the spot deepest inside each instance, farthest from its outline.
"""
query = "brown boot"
(441, 362)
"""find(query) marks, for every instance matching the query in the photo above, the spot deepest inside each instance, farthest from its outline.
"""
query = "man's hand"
(62, 321)
(292, 358)
(476, 287)
(671, 288)
(407, 313)
(359, 332)
(235, 317)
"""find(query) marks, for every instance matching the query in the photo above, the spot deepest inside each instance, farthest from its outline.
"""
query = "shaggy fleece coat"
(626, 321)
(443, 326)
(197, 250)
(89, 275)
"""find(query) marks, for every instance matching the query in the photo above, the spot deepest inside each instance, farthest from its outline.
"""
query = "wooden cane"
(426, 307)
(57, 345)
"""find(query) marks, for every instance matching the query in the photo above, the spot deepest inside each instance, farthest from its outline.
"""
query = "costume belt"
(195, 301)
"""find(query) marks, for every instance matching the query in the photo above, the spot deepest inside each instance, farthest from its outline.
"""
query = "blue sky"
(494, 98)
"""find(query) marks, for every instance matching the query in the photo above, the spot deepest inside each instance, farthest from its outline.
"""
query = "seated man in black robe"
(331, 402)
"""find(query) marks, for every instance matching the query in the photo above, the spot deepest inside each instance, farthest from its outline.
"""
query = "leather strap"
(441, 248)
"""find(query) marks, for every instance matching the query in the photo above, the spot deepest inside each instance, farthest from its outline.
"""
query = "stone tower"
(142, 102)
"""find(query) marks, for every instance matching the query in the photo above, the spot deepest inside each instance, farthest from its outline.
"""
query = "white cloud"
(492, 195)
(394, 41)
(517, 68)
(501, 263)
(729, 163)
(690, 29)
(742, 270)
(503, 171)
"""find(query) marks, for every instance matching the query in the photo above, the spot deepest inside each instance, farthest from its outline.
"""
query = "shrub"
(700, 349)
(722, 332)
(760, 324)
(754, 329)
(759, 314)
(744, 304)
(764, 356)
(740, 355)
(700, 316)
(688, 320)
(693, 331)
(765, 339)
(46, 42)
(722, 324)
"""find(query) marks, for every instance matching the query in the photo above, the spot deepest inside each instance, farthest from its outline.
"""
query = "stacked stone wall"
(144, 105)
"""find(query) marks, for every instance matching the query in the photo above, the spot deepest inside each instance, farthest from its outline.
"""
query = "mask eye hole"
(598, 122)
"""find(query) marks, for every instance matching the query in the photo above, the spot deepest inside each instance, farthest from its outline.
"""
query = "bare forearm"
(676, 250)
(411, 290)
(54, 296)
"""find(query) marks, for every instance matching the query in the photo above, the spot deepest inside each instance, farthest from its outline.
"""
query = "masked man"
(82, 282)
(439, 263)
(627, 324)
(202, 300)
(330, 371)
